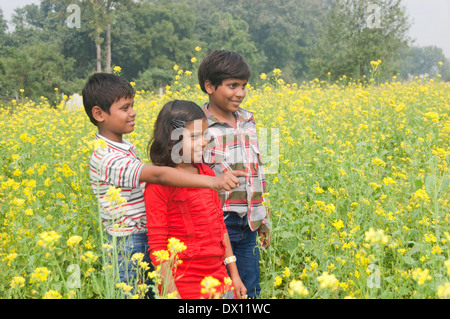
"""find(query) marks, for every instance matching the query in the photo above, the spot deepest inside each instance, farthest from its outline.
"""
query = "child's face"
(194, 141)
(119, 121)
(228, 96)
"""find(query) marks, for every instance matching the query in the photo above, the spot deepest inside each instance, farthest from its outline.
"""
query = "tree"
(280, 30)
(37, 68)
(153, 38)
(421, 61)
(356, 33)
(3, 28)
(231, 33)
(31, 56)
(99, 16)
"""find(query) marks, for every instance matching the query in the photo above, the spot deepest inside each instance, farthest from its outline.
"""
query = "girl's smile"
(194, 141)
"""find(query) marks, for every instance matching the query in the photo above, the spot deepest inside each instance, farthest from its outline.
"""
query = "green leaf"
(304, 229)
(291, 244)
(409, 260)
(287, 234)
(430, 184)
(444, 185)
(418, 184)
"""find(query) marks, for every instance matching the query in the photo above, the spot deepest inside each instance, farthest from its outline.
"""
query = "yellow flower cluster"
(48, 239)
(444, 291)
(89, 257)
(327, 280)
(74, 240)
(52, 294)
(175, 246)
(17, 281)
(97, 144)
(341, 158)
(297, 288)
(161, 255)
(375, 64)
(39, 274)
(113, 195)
(209, 286)
(421, 276)
(447, 265)
(376, 236)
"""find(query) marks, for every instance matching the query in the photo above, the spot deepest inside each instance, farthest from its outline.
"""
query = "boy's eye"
(235, 85)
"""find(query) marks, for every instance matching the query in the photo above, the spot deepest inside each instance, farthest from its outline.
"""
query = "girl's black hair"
(174, 115)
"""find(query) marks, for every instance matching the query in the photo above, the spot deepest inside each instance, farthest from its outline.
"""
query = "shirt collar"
(125, 145)
(241, 115)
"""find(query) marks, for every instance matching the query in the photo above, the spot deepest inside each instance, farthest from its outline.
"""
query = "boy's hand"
(227, 181)
(264, 238)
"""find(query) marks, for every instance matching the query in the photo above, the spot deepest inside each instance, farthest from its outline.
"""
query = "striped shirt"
(238, 149)
(118, 165)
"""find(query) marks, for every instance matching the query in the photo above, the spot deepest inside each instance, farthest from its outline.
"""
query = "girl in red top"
(192, 215)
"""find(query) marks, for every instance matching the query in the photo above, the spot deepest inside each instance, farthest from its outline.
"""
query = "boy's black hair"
(103, 90)
(220, 65)
(169, 118)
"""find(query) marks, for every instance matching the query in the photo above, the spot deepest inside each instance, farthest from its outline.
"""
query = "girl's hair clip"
(178, 124)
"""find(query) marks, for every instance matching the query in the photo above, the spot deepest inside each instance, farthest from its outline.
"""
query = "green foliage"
(420, 61)
(356, 33)
(229, 32)
(147, 38)
(35, 68)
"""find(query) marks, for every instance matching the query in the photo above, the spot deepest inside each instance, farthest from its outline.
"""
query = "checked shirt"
(238, 149)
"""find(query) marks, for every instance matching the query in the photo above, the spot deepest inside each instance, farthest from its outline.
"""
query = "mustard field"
(358, 189)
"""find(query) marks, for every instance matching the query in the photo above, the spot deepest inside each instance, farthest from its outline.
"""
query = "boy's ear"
(209, 87)
(97, 114)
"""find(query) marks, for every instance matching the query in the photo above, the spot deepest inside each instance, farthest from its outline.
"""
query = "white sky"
(430, 20)
(430, 23)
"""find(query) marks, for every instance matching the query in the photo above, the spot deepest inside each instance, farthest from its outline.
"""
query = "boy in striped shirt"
(234, 146)
(108, 101)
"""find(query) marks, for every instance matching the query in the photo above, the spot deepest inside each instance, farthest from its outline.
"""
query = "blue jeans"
(126, 247)
(246, 249)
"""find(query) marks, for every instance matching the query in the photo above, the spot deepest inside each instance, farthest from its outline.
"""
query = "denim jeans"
(128, 271)
(127, 246)
(246, 249)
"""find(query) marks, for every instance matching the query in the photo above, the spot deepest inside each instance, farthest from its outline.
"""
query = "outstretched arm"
(173, 177)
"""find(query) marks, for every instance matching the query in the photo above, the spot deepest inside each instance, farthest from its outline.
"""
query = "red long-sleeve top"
(195, 217)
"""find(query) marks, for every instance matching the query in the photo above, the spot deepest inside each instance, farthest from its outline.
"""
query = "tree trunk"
(108, 48)
(99, 52)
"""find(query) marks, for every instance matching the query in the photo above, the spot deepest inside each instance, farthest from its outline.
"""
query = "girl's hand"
(239, 288)
(227, 180)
